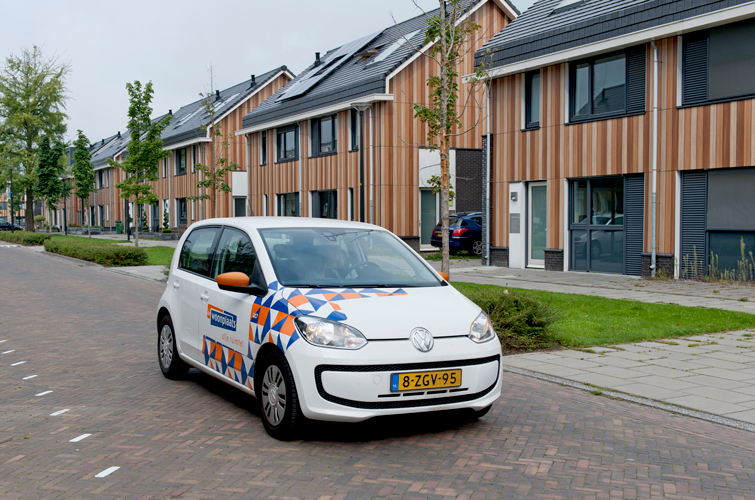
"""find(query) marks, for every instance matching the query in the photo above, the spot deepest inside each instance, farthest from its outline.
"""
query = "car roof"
(260, 222)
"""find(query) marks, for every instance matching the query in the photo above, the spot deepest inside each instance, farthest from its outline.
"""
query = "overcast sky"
(173, 43)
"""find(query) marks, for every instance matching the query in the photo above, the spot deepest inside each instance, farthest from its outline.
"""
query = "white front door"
(537, 223)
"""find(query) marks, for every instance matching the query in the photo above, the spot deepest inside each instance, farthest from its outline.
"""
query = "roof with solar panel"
(356, 69)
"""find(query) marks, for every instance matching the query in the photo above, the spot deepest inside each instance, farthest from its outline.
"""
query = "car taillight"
(459, 231)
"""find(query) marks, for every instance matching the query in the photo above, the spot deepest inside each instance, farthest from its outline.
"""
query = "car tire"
(279, 403)
(477, 247)
(172, 366)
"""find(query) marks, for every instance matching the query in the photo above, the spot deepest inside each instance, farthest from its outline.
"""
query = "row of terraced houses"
(619, 138)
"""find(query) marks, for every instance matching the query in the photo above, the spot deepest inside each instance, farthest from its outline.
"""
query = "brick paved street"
(89, 337)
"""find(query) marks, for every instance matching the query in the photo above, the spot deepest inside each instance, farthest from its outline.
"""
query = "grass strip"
(584, 321)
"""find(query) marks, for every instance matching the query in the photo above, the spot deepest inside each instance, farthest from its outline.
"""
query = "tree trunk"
(443, 136)
(89, 218)
(29, 220)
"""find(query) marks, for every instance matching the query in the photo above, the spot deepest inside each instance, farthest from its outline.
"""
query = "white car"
(323, 319)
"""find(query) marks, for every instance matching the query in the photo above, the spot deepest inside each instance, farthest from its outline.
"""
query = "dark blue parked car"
(464, 233)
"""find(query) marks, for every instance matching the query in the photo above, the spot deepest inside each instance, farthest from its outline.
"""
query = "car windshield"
(343, 258)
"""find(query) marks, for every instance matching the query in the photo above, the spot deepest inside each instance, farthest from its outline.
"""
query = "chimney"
(170, 112)
(217, 95)
(253, 82)
(119, 134)
(317, 58)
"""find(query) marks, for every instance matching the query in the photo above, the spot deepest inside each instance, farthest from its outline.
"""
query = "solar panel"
(393, 47)
(336, 59)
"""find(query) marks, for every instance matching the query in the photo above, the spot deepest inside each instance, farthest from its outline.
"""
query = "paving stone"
(744, 416)
(674, 384)
(569, 353)
(719, 394)
(662, 371)
(556, 370)
(519, 362)
(602, 349)
(721, 383)
(539, 356)
(676, 364)
(705, 404)
(600, 380)
(617, 372)
(723, 364)
(737, 375)
(650, 391)
(747, 389)
(618, 362)
(578, 364)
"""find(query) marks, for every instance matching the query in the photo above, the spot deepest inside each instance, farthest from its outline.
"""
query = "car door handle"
(176, 285)
(204, 296)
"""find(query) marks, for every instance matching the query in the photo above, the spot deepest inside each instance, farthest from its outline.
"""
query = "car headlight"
(481, 329)
(326, 333)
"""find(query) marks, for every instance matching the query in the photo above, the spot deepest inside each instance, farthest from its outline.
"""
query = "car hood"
(389, 313)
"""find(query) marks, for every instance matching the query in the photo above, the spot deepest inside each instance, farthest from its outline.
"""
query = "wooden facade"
(392, 139)
(708, 136)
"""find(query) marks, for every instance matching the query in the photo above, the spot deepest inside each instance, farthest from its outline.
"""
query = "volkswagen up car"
(323, 320)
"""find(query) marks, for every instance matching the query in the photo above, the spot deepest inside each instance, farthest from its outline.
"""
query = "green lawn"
(590, 321)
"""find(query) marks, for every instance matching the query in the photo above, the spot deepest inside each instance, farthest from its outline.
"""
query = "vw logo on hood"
(422, 339)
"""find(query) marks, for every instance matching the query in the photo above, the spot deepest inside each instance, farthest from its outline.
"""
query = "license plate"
(414, 381)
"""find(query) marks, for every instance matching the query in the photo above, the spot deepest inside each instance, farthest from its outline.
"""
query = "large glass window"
(599, 87)
(235, 254)
(532, 99)
(197, 251)
(324, 135)
(597, 225)
(344, 258)
(288, 204)
(288, 145)
(732, 253)
(324, 204)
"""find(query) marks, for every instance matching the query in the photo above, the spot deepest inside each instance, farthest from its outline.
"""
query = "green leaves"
(83, 173)
(51, 168)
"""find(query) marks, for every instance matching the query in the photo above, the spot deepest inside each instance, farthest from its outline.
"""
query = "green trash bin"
(118, 227)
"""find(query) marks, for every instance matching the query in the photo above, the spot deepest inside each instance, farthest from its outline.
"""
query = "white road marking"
(77, 439)
(107, 471)
(8, 352)
(59, 412)
(19, 363)
(27, 378)
(43, 393)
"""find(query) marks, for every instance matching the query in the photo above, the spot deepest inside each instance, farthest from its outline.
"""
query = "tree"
(214, 176)
(83, 174)
(50, 172)
(145, 150)
(32, 104)
(450, 35)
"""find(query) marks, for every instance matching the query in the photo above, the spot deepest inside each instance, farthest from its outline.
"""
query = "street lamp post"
(361, 106)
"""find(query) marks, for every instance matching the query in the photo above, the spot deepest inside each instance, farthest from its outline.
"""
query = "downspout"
(653, 224)
(372, 167)
(487, 179)
(301, 191)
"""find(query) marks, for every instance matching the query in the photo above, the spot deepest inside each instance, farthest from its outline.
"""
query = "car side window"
(235, 253)
(477, 220)
(196, 254)
(463, 223)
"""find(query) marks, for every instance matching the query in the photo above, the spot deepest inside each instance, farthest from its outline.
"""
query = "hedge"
(24, 237)
(523, 322)
(104, 253)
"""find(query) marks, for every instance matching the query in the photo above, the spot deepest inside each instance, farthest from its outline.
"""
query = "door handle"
(204, 296)
(176, 285)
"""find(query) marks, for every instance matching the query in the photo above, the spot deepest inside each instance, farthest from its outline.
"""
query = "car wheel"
(172, 366)
(477, 247)
(279, 403)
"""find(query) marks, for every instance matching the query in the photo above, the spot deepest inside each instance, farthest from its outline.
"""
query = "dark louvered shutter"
(636, 81)
(695, 70)
(694, 195)
(634, 223)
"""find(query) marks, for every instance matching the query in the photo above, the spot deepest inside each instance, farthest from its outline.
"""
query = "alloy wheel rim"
(273, 395)
(477, 248)
(166, 346)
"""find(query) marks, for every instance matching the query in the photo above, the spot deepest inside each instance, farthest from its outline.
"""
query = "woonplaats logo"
(221, 318)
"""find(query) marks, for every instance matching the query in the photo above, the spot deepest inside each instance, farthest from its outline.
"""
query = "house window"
(324, 135)
(165, 168)
(288, 204)
(264, 204)
(181, 161)
(354, 130)
(182, 211)
(193, 160)
(239, 207)
(719, 64)
(263, 147)
(608, 85)
(324, 204)
(532, 100)
(288, 144)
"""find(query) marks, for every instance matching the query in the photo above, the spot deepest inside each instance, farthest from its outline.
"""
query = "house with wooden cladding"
(601, 107)
(188, 137)
(307, 157)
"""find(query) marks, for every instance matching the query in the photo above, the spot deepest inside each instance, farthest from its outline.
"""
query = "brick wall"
(664, 263)
(554, 260)
(412, 241)
(499, 256)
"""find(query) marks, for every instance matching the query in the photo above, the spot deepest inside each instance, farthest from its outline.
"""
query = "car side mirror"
(442, 275)
(241, 283)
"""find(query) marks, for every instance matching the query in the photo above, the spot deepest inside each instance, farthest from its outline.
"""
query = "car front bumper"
(351, 386)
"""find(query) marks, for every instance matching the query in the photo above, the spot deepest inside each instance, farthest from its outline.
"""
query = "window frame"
(592, 116)
(316, 135)
(180, 158)
(180, 221)
(280, 135)
(354, 132)
(263, 148)
(213, 249)
(530, 124)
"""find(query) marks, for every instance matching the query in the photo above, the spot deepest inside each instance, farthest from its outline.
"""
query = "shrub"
(522, 322)
(103, 253)
(24, 237)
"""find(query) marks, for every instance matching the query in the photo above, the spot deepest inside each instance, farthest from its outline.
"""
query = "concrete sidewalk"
(731, 297)
(712, 373)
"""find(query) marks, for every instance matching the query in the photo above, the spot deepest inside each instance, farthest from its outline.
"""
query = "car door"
(224, 329)
(191, 281)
